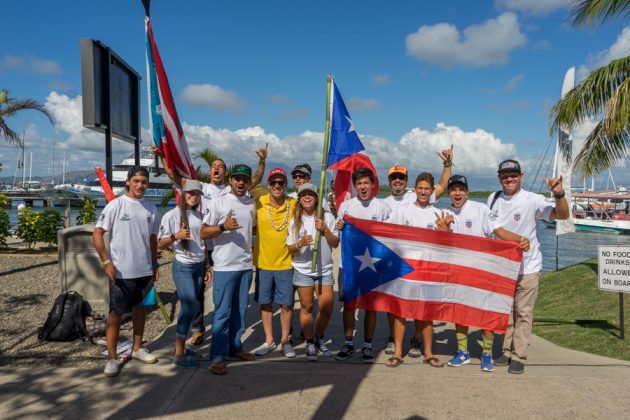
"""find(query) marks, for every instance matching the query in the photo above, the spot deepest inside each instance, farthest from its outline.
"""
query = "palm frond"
(601, 150)
(590, 97)
(9, 107)
(207, 154)
(587, 12)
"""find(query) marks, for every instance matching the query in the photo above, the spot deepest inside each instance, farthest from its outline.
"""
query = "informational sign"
(614, 268)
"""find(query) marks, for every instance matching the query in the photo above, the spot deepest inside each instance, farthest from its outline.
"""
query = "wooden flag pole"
(322, 176)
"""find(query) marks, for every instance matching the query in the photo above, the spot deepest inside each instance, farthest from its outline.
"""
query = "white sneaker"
(264, 349)
(144, 356)
(113, 367)
(288, 351)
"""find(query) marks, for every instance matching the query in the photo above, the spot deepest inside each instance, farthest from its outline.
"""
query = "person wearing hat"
(229, 221)
(211, 190)
(130, 264)
(398, 177)
(302, 232)
(301, 174)
(419, 214)
(513, 216)
(470, 218)
(274, 272)
(181, 229)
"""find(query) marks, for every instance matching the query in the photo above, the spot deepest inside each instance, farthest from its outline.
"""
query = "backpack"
(66, 319)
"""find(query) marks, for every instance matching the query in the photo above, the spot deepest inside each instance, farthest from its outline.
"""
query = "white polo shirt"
(519, 214)
(232, 249)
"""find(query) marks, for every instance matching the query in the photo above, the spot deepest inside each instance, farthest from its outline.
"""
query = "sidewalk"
(558, 383)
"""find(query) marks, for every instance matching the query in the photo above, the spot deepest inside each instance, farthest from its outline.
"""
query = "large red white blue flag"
(345, 150)
(167, 131)
(424, 274)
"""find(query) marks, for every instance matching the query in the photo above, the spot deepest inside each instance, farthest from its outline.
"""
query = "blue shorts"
(274, 286)
(302, 280)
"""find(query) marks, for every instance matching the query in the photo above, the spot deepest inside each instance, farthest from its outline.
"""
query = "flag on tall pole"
(425, 274)
(564, 158)
(345, 152)
(167, 131)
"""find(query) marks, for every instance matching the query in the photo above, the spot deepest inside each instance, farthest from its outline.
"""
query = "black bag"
(66, 319)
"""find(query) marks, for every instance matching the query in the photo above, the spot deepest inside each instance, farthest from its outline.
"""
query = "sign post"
(614, 274)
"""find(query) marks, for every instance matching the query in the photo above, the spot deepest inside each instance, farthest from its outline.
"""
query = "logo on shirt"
(517, 217)
(468, 223)
(493, 215)
(149, 219)
(125, 218)
(161, 228)
(374, 218)
(102, 216)
(430, 226)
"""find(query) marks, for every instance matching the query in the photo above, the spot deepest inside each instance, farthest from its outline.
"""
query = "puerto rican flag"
(167, 131)
(424, 274)
(345, 150)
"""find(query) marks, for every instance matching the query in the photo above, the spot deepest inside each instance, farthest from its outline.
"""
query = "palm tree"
(9, 107)
(604, 94)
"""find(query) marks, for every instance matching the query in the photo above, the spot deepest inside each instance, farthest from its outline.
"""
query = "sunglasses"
(278, 182)
(299, 176)
(397, 176)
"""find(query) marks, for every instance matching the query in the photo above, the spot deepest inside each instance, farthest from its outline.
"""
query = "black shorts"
(124, 294)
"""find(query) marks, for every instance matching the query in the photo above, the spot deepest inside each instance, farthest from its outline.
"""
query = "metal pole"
(557, 243)
(322, 176)
(108, 106)
(622, 327)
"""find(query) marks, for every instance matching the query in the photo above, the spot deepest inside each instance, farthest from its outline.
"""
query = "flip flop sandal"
(218, 368)
(433, 362)
(394, 362)
(197, 338)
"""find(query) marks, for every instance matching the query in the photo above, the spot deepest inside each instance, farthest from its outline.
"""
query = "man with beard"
(229, 222)
(274, 272)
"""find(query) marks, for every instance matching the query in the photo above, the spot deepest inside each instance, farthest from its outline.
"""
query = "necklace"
(284, 222)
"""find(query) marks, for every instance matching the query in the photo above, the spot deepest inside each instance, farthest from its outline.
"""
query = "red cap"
(275, 172)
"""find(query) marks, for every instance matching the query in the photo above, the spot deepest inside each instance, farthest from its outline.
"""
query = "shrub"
(29, 226)
(4, 202)
(87, 214)
(50, 223)
(5, 227)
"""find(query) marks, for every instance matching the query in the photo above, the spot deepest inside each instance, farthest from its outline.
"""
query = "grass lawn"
(573, 294)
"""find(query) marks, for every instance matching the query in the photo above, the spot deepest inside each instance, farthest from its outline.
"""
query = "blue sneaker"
(460, 358)
(487, 365)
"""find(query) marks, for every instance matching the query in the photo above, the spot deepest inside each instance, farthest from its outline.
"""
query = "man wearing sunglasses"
(514, 215)
(301, 174)
(274, 272)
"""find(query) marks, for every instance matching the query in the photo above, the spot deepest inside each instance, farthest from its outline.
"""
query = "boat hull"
(616, 227)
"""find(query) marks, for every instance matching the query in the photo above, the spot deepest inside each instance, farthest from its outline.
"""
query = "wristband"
(106, 262)
(173, 238)
(448, 163)
(222, 227)
(156, 265)
(558, 196)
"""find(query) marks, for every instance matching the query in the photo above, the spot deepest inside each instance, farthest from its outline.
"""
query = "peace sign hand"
(443, 221)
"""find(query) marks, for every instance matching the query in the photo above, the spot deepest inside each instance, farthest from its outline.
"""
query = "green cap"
(241, 169)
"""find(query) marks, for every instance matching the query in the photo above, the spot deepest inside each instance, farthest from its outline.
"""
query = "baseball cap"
(305, 168)
(509, 165)
(240, 169)
(457, 179)
(277, 172)
(398, 169)
(193, 185)
(307, 187)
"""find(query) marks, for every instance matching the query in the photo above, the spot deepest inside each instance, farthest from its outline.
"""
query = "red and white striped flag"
(425, 274)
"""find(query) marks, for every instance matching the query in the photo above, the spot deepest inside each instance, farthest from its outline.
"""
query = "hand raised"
(446, 155)
(555, 185)
(262, 152)
(230, 223)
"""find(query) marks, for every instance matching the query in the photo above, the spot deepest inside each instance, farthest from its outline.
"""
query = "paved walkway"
(558, 383)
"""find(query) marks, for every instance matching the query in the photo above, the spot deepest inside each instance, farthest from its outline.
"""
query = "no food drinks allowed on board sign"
(614, 268)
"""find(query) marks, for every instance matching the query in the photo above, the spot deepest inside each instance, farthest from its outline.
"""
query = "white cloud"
(30, 64)
(292, 114)
(361, 104)
(513, 83)
(621, 48)
(534, 7)
(213, 97)
(486, 44)
(381, 79)
(278, 99)
(542, 45)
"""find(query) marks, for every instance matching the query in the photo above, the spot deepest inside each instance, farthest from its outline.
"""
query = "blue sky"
(417, 76)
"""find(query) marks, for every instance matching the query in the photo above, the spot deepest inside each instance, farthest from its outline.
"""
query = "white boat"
(159, 183)
(601, 212)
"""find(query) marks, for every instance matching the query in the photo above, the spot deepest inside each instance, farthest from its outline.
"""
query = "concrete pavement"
(558, 383)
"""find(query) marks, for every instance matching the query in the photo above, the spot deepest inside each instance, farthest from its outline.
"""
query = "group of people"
(212, 233)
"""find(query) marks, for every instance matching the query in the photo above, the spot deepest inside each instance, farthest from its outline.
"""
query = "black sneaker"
(320, 345)
(502, 361)
(516, 367)
(345, 352)
(368, 355)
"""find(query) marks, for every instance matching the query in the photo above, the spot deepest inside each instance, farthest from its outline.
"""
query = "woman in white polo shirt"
(181, 228)
(302, 231)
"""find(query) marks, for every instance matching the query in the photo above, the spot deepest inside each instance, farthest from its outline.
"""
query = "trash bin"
(80, 266)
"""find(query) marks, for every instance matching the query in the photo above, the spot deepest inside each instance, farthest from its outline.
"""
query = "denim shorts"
(302, 280)
(124, 294)
(274, 286)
